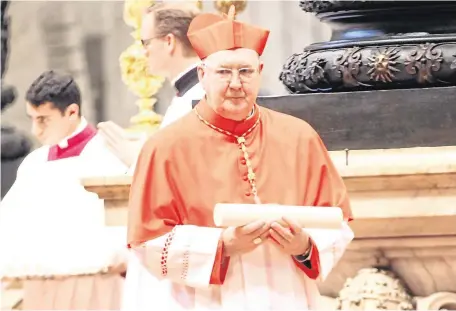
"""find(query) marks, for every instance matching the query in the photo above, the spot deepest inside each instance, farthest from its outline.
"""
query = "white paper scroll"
(234, 215)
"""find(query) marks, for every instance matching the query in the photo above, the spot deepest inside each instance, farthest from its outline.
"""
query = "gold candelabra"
(223, 6)
(133, 64)
(135, 74)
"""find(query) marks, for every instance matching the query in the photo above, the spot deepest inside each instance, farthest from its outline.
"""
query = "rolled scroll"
(312, 217)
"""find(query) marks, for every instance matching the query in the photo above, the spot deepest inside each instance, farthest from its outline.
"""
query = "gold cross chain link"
(241, 141)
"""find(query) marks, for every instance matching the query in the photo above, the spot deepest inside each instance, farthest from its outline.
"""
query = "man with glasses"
(230, 150)
(169, 54)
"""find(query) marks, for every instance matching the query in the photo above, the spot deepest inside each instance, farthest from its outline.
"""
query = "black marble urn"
(386, 79)
(377, 45)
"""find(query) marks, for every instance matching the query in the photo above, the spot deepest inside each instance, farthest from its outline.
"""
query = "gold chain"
(241, 141)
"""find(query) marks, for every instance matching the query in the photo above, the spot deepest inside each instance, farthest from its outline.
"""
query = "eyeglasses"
(146, 42)
(226, 74)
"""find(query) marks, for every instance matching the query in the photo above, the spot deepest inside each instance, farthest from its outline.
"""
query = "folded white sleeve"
(331, 245)
(186, 255)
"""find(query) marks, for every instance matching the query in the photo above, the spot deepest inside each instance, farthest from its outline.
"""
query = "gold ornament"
(135, 74)
(223, 6)
(133, 66)
(134, 11)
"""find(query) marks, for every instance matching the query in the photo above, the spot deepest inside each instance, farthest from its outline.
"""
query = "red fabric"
(209, 33)
(314, 272)
(220, 268)
(187, 168)
(76, 144)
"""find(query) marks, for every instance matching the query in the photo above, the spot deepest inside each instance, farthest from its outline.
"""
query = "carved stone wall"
(374, 289)
(436, 301)
(380, 289)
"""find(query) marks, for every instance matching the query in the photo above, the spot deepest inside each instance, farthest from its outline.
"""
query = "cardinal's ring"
(257, 241)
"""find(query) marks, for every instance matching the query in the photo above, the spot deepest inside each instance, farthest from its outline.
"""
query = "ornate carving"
(453, 64)
(312, 6)
(424, 60)
(348, 65)
(290, 74)
(298, 75)
(374, 46)
(374, 289)
(383, 64)
(370, 68)
(316, 74)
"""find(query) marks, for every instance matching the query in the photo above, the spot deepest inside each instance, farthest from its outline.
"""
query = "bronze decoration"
(377, 45)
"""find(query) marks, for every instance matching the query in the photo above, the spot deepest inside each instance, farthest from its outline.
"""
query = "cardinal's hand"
(239, 240)
(290, 237)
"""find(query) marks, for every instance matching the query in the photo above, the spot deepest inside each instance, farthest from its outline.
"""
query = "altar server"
(49, 211)
(53, 103)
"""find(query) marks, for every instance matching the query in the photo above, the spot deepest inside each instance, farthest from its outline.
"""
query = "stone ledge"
(367, 170)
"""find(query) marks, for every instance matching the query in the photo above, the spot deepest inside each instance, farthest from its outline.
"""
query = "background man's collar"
(188, 80)
(82, 125)
(193, 66)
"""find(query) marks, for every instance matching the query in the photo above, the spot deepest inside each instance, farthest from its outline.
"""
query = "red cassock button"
(245, 177)
(247, 194)
(243, 161)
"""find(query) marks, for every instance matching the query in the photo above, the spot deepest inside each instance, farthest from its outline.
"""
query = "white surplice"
(263, 279)
(180, 106)
(95, 159)
(57, 224)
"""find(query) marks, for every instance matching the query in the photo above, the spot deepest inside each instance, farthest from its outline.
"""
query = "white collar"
(180, 75)
(82, 125)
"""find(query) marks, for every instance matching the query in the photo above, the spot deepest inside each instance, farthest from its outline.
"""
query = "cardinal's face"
(231, 80)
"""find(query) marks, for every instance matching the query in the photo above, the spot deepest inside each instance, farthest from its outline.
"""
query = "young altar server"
(53, 103)
(64, 234)
(230, 150)
(54, 106)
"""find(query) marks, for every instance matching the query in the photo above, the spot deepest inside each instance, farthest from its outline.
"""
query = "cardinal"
(231, 150)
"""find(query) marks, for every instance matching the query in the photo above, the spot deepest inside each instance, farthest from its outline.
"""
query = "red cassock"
(205, 159)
